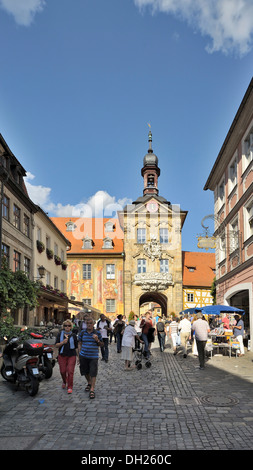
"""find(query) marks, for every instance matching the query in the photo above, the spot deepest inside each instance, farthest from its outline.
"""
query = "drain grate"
(215, 400)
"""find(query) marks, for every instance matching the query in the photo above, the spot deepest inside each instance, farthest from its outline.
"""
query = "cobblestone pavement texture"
(171, 405)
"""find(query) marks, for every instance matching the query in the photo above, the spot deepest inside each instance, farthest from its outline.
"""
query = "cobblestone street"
(171, 406)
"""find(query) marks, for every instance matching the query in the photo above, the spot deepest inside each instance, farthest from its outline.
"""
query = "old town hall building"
(152, 245)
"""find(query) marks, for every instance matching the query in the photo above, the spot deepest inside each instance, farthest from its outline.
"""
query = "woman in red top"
(145, 325)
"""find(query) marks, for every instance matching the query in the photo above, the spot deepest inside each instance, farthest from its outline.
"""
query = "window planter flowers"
(57, 260)
(64, 265)
(40, 246)
(50, 253)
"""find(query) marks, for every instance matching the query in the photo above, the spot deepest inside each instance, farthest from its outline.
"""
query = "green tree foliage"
(7, 328)
(16, 290)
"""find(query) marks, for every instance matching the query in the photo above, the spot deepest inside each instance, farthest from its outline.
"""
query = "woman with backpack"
(161, 333)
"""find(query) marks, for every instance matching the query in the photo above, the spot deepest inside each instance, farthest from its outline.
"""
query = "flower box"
(50, 253)
(40, 246)
(57, 260)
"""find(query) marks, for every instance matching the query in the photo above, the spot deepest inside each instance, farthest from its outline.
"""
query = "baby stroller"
(139, 355)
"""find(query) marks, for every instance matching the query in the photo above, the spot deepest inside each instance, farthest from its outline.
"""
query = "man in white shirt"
(185, 333)
(201, 328)
(104, 327)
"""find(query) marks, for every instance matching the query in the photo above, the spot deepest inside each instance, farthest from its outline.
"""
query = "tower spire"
(150, 170)
(150, 150)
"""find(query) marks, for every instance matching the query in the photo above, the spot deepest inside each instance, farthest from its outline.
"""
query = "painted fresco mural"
(97, 289)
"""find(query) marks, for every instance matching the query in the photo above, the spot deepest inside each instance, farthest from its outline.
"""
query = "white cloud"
(23, 10)
(99, 205)
(227, 22)
(38, 194)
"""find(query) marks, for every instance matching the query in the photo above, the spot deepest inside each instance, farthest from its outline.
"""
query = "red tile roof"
(93, 228)
(203, 264)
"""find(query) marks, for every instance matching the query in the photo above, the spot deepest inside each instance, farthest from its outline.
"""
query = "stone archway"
(156, 297)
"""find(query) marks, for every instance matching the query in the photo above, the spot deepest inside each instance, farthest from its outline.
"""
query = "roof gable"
(198, 269)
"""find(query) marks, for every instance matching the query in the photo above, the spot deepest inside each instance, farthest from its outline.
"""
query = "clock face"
(152, 206)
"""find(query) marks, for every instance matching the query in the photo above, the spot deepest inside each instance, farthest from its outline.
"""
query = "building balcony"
(153, 281)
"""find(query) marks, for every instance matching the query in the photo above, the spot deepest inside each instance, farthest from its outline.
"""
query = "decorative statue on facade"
(153, 249)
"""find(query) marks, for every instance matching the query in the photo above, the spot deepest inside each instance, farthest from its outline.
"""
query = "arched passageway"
(155, 297)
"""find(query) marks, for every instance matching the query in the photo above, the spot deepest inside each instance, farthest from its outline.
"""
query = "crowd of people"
(82, 340)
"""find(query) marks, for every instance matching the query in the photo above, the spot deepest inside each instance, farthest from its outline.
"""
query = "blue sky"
(81, 79)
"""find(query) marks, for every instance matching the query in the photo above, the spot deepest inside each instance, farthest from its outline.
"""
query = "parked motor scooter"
(46, 361)
(21, 363)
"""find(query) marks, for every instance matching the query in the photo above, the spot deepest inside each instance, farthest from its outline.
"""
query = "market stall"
(221, 339)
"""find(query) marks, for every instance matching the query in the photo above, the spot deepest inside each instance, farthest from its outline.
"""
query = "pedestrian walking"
(184, 328)
(161, 333)
(145, 325)
(89, 341)
(119, 327)
(201, 328)
(173, 332)
(128, 344)
(239, 333)
(111, 333)
(66, 342)
(104, 326)
(167, 328)
(138, 329)
(151, 332)
(194, 345)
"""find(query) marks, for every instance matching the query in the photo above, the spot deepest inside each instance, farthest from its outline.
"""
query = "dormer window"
(109, 226)
(107, 243)
(191, 269)
(70, 226)
(87, 243)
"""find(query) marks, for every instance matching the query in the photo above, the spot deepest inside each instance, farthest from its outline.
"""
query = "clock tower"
(152, 246)
(150, 170)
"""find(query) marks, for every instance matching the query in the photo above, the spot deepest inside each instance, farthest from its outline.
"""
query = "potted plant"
(40, 246)
(50, 253)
